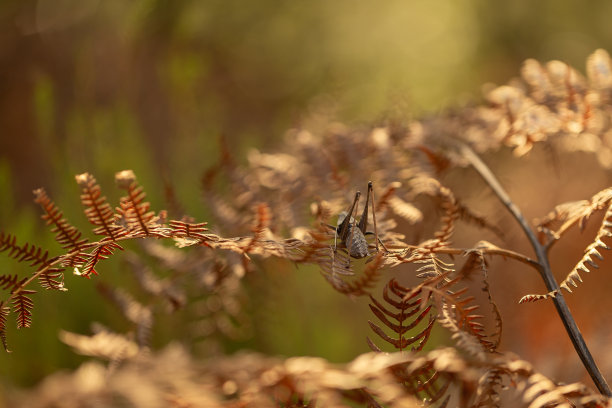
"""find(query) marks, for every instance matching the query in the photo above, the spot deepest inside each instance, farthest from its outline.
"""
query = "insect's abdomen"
(358, 243)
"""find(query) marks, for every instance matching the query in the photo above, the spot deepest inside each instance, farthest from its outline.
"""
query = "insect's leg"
(352, 230)
(370, 189)
(363, 222)
(343, 228)
(379, 241)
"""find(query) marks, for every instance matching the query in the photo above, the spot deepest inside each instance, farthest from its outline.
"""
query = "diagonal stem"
(544, 269)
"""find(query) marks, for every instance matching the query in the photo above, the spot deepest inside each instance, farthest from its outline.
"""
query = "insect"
(351, 234)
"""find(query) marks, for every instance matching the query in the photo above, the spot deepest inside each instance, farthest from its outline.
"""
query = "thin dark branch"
(545, 271)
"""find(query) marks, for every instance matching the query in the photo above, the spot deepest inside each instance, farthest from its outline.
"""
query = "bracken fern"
(279, 206)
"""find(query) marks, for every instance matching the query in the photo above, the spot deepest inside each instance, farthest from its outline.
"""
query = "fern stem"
(544, 269)
(506, 253)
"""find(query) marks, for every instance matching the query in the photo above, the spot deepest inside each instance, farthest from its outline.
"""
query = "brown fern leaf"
(466, 215)
(451, 304)
(135, 312)
(568, 214)
(405, 210)
(383, 201)
(559, 87)
(104, 344)
(469, 340)
(25, 253)
(67, 235)
(9, 282)
(4, 312)
(426, 384)
(321, 210)
(439, 162)
(188, 231)
(599, 71)
(460, 311)
(97, 209)
(536, 76)
(473, 263)
(539, 391)
(534, 297)
(334, 264)
(451, 214)
(22, 305)
(399, 207)
(367, 281)
(261, 224)
(432, 267)
(74, 259)
(409, 312)
(100, 252)
(587, 261)
(496, 336)
(591, 251)
(476, 261)
(134, 210)
(489, 386)
(154, 286)
(52, 279)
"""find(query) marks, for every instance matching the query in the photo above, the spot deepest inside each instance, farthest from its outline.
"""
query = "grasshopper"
(351, 234)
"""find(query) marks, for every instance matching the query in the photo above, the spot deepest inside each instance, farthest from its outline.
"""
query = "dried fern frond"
(104, 344)
(553, 104)
(432, 266)
(458, 311)
(134, 210)
(25, 253)
(565, 215)
(470, 217)
(397, 205)
(136, 313)
(464, 339)
(585, 263)
(494, 338)
(259, 229)
(368, 279)
(103, 250)
(451, 304)
(52, 279)
(22, 306)
(97, 210)
(599, 72)
(4, 312)
(539, 391)
(489, 389)
(408, 313)
(451, 214)
(394, 380)
(171, 292)
(9, 282)
(186, 230)
(65, 233)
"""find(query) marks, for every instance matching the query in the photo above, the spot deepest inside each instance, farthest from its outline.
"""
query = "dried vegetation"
(279, 205)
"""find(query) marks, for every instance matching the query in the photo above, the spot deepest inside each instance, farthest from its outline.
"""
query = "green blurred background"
(102, 86)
